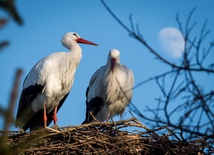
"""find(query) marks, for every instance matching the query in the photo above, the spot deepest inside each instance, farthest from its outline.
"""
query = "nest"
(105, 138)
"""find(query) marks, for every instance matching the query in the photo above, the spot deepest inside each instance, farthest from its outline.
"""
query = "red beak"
(113, 62)
(83, 41)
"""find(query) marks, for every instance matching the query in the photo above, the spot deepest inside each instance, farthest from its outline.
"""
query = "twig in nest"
(93, 117)
(90, 138)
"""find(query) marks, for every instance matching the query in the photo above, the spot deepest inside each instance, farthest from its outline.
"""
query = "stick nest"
(106, 138)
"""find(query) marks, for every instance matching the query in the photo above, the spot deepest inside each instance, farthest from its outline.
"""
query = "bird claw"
(55, 126)
(21, 130)
(51, 129)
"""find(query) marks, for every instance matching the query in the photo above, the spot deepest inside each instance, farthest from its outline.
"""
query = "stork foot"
(52, 130)
(55, 127)
(21, 130)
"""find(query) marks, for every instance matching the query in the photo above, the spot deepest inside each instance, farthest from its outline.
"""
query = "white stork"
(48, 84)
(110, 89)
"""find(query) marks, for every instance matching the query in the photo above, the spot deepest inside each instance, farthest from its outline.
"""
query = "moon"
(171, 41)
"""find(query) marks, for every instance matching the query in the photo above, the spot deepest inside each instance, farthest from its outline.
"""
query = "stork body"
(48, 84)
(110, 89)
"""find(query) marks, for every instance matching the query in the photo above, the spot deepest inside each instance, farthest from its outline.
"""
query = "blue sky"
(45, 22)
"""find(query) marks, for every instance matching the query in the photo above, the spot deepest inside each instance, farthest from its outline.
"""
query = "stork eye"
(75, 35)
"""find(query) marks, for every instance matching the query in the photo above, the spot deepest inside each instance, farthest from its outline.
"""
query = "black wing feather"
(93, 106)
(27, 95)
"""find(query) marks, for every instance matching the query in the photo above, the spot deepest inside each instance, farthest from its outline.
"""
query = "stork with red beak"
(110, 90)
(48, 84)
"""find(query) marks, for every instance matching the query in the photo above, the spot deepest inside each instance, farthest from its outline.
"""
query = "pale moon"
(171, 41)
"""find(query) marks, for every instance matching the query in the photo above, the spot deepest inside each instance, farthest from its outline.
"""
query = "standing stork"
(48, 84)
(110, 90)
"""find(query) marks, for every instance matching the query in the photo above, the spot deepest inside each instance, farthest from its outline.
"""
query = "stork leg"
(45, 116)
(55, 119)
(55, 115)
(45, 120)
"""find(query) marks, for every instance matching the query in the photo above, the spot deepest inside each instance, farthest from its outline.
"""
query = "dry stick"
(93, 117)
(9, 113)
(101, 137)
(122, 137)
(89, 141)
(143, 41)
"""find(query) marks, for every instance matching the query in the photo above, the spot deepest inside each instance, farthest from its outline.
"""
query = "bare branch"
(180, 92)
(9, 112)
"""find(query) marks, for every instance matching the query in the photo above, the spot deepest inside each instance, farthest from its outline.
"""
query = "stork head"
(71, 38)
(113, 58)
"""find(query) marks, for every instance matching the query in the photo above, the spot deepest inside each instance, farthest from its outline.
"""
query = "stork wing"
(94, 101)
(27, 95)
(93, 107)
(32, 86)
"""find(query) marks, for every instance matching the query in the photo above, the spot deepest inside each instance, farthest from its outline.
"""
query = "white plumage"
(110, 89)
(47, 85)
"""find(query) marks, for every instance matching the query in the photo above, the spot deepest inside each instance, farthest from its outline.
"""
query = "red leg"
(45, 116)
(54, 115)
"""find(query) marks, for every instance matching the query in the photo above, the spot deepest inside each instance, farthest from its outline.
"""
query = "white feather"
(114, 87)
(56, 73)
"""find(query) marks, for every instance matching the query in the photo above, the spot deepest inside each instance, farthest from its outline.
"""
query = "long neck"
(71, 61)
(75, 51)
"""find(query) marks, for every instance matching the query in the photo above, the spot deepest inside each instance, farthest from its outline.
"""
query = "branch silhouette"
(182, 93)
